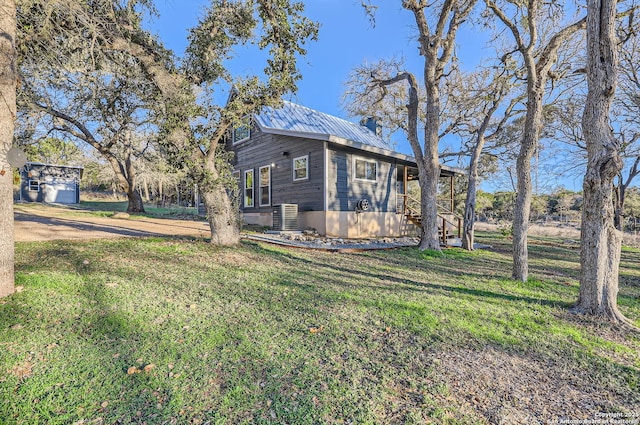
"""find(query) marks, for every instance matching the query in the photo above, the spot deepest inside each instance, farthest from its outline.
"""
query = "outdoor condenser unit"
(285, 217)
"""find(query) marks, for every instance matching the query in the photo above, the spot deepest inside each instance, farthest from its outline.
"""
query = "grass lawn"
(168, 331)
(107, 208)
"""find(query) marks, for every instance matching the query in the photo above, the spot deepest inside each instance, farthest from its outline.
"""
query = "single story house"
(50, 183)
(298, 168)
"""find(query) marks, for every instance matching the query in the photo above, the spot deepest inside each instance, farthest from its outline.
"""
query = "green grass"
(263, 334)
(107, 208)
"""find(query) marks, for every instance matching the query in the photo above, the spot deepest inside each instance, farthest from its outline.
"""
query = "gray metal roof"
(299, 120)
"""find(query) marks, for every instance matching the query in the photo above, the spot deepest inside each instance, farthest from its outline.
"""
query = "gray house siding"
(278, 152)
(344, 191)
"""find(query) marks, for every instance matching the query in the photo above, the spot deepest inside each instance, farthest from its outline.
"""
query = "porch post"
(405, 193)
(451, 193)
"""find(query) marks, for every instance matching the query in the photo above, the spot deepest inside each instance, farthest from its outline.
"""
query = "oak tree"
(600, 241)
(8, 81)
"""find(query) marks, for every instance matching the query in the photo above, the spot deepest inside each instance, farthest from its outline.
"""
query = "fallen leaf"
(104, 404)
(314, 330)
(22, 371)
(132, 370)
(148, 368)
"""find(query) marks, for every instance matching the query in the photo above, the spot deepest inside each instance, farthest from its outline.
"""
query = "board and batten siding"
(268, 149)
(344, 190)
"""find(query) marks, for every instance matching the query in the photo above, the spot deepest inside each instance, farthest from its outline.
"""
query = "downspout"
(325, 179)
(325, 187)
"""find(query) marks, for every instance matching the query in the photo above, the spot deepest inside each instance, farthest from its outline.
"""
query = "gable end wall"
(267, 149)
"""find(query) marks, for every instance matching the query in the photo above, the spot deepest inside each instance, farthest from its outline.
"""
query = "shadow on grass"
(331, 270)
(239, 355)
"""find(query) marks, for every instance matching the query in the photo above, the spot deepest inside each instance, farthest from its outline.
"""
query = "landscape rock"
(120, 214)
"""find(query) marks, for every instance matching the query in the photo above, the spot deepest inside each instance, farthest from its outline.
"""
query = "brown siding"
(267, 149)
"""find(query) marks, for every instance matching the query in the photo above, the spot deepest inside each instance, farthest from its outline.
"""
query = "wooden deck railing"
(411, 208)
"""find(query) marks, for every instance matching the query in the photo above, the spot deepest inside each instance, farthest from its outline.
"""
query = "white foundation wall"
(312, 220)
(345, 224)
(354, 225)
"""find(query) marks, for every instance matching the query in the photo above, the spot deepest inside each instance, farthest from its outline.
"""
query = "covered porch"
(408, 196)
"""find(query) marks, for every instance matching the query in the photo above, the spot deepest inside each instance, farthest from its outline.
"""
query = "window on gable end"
(242, 131)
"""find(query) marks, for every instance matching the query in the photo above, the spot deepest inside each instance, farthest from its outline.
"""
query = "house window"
(34, 186)
(248, 188)
(301, 168)
(243, 131)
(365, 169)
(265, 186)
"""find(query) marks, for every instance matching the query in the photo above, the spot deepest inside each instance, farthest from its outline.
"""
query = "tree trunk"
(428, 203)
(600, 240)
(221, 213)
(619, 194)
(430, 172)
(135, 204)
(126, 175)
(524, 187)
(146, 190)
(470, 202)
(8, 81)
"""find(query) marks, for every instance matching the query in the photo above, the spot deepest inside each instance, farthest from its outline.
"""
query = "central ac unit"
(285, 217)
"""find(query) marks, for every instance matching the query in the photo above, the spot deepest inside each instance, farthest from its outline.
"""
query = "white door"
(60, 191)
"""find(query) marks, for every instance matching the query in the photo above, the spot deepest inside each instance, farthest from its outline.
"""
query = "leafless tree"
(538, 35)
(479, 96)
(437, 24)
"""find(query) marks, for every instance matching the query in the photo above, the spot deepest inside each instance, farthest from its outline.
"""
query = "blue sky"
(346, 40)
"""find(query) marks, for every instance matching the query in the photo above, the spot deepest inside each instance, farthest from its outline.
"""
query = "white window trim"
(246, 119)
(371, 161)
(37, 185)
(244, 189)
(268, 167)
(293, 166)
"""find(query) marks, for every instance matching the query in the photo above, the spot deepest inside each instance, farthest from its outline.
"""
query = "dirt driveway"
(38, 222)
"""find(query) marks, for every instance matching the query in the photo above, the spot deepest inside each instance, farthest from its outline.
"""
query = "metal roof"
(299, 120)
(79, 167)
